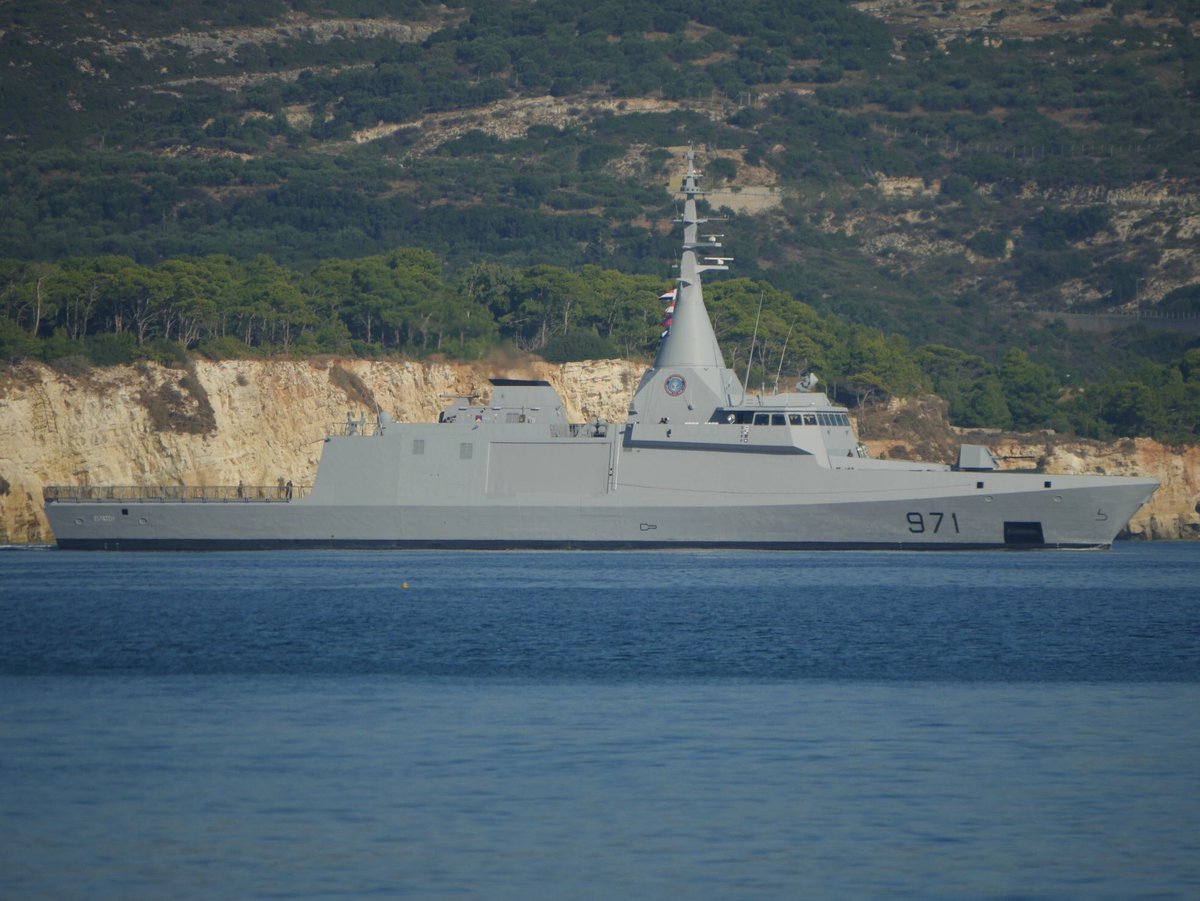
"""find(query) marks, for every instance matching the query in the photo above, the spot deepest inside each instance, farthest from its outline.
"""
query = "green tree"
(1030, 389)
(577, 344)
(30, 297)
(270, 308)
(1134, 408)
(141, 299)
(16, 344)
(951, 373)
(193, 308)
(884, 360)
(985, 405)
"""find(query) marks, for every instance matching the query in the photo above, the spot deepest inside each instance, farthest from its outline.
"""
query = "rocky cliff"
(258, 422)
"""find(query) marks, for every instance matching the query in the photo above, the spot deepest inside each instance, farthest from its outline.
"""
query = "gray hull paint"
(1089, 514)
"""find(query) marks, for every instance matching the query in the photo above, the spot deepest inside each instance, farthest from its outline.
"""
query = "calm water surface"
(711, 725)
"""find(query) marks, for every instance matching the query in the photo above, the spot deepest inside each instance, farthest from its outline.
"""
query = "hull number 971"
(919, 523)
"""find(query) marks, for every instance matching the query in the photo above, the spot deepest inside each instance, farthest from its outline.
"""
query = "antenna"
(750, 359)
(783, 354)
(762, 358)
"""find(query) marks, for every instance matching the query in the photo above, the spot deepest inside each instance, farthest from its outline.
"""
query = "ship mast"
(691, 340)
(689, 379)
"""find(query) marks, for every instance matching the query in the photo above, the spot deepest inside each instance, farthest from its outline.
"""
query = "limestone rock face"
(258, 422)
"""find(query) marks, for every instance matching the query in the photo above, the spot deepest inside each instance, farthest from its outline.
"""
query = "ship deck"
(120, 494)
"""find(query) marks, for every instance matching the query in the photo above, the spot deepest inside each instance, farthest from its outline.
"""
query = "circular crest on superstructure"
(675, 385)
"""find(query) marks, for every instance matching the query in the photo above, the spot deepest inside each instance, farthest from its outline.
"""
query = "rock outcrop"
(257, 422)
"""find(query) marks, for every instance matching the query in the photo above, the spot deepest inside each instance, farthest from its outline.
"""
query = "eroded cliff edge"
(258, 422)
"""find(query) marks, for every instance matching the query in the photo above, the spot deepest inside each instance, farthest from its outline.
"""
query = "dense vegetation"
(110, 310)
(199, 175)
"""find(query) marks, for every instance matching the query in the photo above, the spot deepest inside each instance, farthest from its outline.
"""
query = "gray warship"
(698, 463)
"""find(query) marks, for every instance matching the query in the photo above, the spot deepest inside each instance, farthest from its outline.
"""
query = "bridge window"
(778, 419)
(810, 418)
(762, 419)
(741, 417)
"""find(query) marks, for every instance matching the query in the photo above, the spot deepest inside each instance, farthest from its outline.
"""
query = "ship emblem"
(675, 385)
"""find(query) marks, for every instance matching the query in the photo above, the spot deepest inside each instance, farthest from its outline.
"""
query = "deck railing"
(175, 493)
(352, 427)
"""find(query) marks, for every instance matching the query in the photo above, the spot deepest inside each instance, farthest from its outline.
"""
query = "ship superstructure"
(698, 462)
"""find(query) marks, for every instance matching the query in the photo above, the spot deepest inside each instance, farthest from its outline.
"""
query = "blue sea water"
(513, 725)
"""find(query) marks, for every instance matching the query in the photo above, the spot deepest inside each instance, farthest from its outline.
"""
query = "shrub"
(355, 389)
(722, 169)
(187, 411)
(957, 186)
(226, 347)
(1185, 300)
(988, 244)
(109, 349)
(577, 344)
(72, 364)
(15, 343)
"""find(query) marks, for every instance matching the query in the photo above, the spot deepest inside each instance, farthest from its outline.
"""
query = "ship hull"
(1088, 515)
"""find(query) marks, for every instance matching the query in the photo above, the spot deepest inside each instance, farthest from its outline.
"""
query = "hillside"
(972, 175)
